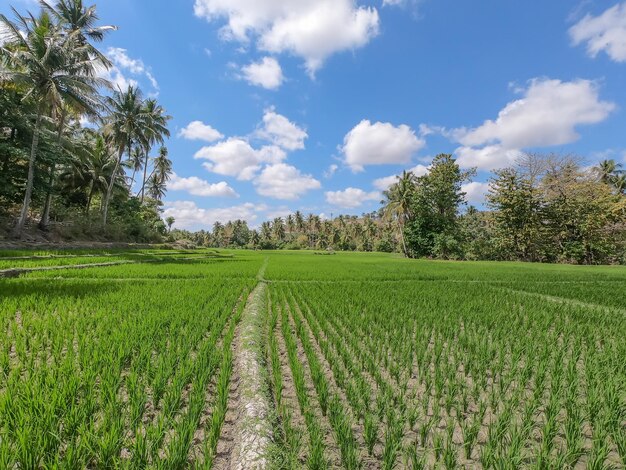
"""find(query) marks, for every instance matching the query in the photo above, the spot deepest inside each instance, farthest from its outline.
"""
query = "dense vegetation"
(392, 370)
(547, 208)
(68, 138)
(372, 361)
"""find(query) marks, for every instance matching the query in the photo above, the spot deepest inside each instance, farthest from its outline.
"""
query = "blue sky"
(315, 105)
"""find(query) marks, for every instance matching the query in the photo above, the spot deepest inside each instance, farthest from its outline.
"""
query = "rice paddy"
(367, 361)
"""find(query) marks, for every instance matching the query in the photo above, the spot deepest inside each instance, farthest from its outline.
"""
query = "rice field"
(366, 360)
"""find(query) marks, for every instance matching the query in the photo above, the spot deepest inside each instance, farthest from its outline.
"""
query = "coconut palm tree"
(156, 188)
(299, 221)
(123, 124)
(290, 224)
(620, 183)
(81, 21)
(398, 203)
(53, 69)
(77, 22)
(278, 229)
(607, 170)
(155, 130)
(136, 163)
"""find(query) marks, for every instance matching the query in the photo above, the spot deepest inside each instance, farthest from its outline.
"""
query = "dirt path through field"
(252, 433)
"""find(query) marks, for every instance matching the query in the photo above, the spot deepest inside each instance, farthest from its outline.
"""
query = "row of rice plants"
(468, 374)
(203, 268)
(94, 373)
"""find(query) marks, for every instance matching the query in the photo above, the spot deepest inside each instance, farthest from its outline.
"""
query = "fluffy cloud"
(235, 157)
(123, 63)
(266, 73)
(282, 181)
(384, 183)
(547, 115)
(189, 216)
(489, 157)
(280, 131)
(310, 29)
(197, 130)
(475, 192)
(351, 198)
(199, 187)
(606, 32)
(379, 143)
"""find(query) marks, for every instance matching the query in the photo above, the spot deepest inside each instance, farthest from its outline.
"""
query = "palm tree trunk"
(145, 174)
(404, 250)
(91, 191)
(45, 218)
(107, 199)
(19, 227)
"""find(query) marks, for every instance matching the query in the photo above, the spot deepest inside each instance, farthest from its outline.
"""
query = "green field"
(368, 361)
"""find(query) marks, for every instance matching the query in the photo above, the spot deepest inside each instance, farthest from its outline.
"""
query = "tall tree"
(435, 208)
(517, 214)
(53, 69)
(154, 131)
(78, 22)
(398, 203)
(124, 123)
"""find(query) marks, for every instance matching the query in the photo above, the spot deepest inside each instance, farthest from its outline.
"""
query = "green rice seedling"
(599, 452)
(413, 459)
(470, 435)
(392, 443)
(343, 431)
(370, 432)
(438, 445)
(449, 455)
(413, 416)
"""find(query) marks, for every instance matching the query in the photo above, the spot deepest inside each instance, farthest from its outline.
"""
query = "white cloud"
(310, 29)
(351, 198)
(197, 130)
(189, 216)
(199, 187)
(379, 143)
(384, 183)
(117, 78)
(606, 32)
(280, 131)
(282, 181)
(547, 115)
(332, 169)
(475, 192)
(235, 157)
(266, 73)
(120, 57)
(489, 157)
(122, 64)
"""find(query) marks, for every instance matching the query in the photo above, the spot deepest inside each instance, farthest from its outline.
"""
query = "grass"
(372, 361)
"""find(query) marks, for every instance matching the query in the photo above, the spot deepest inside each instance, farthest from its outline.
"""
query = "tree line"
(69, 139)
(545, 208)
